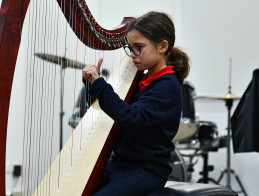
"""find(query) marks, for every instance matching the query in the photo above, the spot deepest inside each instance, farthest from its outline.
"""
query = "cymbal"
(61, 60)
(228, 96)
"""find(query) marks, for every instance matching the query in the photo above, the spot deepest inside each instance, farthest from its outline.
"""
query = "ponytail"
(180, 60)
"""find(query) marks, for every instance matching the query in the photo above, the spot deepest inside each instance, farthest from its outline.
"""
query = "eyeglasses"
(136, 49)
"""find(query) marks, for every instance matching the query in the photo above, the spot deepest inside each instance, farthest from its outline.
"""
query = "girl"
(141, 155)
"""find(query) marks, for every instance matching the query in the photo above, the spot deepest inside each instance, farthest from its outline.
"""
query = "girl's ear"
(163, 46)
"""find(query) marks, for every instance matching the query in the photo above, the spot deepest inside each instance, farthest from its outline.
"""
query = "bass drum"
(179, 172)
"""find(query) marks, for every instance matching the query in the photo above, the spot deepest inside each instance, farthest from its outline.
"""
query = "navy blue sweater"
(148, 124)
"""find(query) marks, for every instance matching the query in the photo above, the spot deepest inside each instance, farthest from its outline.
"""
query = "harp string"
(31, 104)
(37, 69)
(26, 120)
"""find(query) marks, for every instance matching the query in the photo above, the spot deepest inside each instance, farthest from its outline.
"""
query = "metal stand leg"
(225, 171)
(240, 184)
(228, 171)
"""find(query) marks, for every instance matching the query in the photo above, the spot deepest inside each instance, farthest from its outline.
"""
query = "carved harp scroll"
(12, 14)
(94, 36)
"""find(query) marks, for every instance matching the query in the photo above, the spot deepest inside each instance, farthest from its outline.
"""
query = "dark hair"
(157, 26)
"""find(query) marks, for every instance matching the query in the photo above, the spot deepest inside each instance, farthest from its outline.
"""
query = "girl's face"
(151, 55)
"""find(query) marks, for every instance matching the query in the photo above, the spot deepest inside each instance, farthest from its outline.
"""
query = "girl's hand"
(91, 72)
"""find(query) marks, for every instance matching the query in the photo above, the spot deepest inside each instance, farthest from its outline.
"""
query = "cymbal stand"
(63, 62)
(61, 114)
(228, 171)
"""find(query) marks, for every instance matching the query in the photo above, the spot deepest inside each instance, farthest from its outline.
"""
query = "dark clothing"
(244, 122)
(127, 180)
(148, 125)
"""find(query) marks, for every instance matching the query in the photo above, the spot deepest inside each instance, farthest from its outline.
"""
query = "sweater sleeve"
(162, 101)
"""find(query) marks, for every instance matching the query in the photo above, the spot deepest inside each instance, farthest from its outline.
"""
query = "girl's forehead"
(135, 36)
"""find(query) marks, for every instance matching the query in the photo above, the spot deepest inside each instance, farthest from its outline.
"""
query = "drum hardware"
(228, 98)
(206, 169)
(228, 171)
(205, 139)
(190, 163)
(64, 63)
(179, 172)
(209, 141)
(225, 140)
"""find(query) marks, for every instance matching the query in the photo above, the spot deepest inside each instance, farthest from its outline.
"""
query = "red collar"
(146, 81)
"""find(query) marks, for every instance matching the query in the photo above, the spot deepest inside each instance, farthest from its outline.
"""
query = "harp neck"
(94, 36)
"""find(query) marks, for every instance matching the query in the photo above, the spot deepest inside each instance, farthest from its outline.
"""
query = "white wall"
(210, 32)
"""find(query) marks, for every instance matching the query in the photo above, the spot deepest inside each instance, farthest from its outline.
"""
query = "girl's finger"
(99, 65)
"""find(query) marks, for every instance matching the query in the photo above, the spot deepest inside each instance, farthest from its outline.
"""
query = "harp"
(88, 31)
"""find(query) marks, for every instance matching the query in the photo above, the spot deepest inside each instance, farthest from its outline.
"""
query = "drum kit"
(202, 137)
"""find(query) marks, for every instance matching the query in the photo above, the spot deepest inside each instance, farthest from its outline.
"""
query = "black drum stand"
(200, 150)
(206, 169)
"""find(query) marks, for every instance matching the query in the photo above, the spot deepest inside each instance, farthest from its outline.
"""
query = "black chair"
(173, 188)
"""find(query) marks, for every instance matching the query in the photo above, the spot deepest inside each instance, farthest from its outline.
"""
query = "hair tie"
(172, 49)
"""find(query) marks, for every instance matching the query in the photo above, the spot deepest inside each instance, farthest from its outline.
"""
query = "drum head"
(185, 131)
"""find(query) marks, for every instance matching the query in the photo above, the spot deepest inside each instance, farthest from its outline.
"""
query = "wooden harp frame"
(12, 16)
